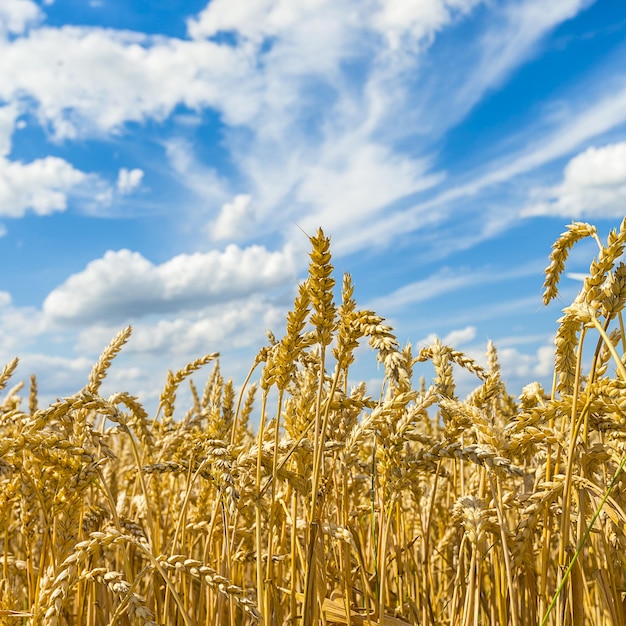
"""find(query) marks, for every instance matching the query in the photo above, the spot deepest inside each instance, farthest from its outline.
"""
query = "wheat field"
(399, 505)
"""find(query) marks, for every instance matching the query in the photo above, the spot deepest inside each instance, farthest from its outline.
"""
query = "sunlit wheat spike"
(139, 417)
(7, 372)
(560, 251)
(99, 370)
(349, 329)
(599, 272)
(566, 342)
(209, 576)
(614, 292)
(242, 435)
(441, 357)
(32, 396)
(475, 516)
(168, 395)
(292, 344)
(131, 603)
(320, 286)
(213, 386)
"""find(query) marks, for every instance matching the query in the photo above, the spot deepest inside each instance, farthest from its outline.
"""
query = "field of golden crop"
(346, 505)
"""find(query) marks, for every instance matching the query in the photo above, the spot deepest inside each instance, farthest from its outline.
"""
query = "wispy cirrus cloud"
(577, 125)
(445, 281)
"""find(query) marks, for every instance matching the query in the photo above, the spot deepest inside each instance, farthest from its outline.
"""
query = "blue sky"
(158, 167)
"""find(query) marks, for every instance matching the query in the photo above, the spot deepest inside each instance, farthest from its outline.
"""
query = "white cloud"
(410, 21)
(406, 21)
(202, 180)
(63, 375)
(594, 185)
(523, 367)
(454, 338)
(442, 282)
(41, 186)
(124, 285)
(356, 179)
(129, 180)
(213, 329)
(62, 360)
(8, 115)
(250, 19)
(346, 176)
(580, 123)
(284, 74)
(92, 80)
(598, 167)
(5, 299)
(88, 80)
(235, 220)
(579, 276)
(17, 15)
(460, 336)
(236, 330)
(19, 327)
(506, 35)
(314, 96)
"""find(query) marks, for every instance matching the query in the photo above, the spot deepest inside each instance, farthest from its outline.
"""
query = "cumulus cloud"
(594, 185)
(93, 80)
(129, 180)
(62, 360)
(235, 219)
(454, 338)
(213, 329)
(460, 336)
(124, 284)
(524, 367)
(251, 20)
(17, 15)
(41, 186)
(5, 299)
